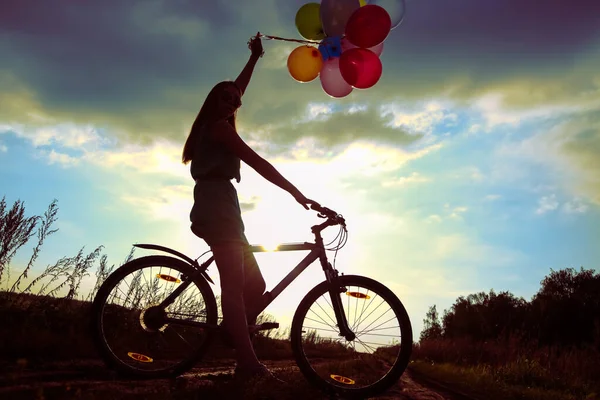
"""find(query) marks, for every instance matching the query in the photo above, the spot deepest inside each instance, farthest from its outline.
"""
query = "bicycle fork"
(335, 289)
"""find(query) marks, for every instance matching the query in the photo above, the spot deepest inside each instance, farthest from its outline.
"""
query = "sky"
(473, 163)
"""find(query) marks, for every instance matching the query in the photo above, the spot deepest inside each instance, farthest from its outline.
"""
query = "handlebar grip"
(316, 206)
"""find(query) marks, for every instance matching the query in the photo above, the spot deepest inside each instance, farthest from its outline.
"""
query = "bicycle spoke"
(363, 307)
(360, 319)
(182, 338)
(330, 306)
(368, 326)
(332, 320)
(365, 344)
(371, 313)
(323, 322)
(186, 315)
(388, 327)
(321, 329)
(135, 331)
(378, 335)
(370, 330)
(356, 367)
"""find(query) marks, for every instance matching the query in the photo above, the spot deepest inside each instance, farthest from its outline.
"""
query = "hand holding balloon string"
(255, 45)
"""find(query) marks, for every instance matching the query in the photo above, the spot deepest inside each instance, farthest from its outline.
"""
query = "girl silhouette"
(215, 150)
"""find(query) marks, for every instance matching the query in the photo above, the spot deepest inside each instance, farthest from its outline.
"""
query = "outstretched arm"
(243, 79)
(225, 133)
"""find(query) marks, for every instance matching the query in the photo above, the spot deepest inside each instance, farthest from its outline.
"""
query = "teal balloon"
(395, 8)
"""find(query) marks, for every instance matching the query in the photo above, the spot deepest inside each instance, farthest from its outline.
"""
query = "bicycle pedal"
(266, 326)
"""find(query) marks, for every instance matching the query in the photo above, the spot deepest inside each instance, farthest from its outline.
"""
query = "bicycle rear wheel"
(370, 363)
(131, 330)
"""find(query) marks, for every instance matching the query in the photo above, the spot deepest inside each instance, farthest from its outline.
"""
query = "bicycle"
(165, 316)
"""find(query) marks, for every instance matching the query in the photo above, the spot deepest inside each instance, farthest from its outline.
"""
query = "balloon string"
(287, 40)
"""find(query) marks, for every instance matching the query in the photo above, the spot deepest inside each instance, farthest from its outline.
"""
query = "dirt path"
(91, 380)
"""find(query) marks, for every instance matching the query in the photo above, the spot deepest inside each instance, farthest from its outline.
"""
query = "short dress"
(216, 216)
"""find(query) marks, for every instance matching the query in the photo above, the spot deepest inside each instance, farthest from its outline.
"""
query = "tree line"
(564, 312)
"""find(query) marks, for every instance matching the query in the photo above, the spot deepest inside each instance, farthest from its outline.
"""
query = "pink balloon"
(347, 45)
(332, 81)
(361, 68)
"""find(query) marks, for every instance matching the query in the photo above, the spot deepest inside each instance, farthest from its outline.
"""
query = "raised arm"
(256, 48)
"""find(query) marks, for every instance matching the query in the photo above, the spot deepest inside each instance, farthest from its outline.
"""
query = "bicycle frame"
(317, 251)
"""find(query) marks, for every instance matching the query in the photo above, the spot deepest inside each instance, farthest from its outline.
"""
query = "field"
(47, 353)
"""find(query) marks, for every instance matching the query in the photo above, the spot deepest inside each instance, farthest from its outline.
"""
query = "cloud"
(550, 203)
(575, 206)
(62, 159)
(167, 202)
(469, 173)
(361, 165)
(494, 110)
(330, 128)
(249, 204)
(579, 147)
(546, 204)
(3, 148)
(448, 213)
(443, 259)
(492, 197)
(420, 121)
(140, 69)
(161, 157)
(415, 177)
(568, 150)
(433, 219)
(71, 136)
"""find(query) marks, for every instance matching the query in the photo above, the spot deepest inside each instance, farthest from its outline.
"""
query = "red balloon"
(368, 26)
(361, 68)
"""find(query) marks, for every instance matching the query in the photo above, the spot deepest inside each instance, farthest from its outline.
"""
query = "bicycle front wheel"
(140, 335)
(369, 363)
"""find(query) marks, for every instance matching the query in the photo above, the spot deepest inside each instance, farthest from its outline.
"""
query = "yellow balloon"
(363, 2)
(304, 63)
(308, 21)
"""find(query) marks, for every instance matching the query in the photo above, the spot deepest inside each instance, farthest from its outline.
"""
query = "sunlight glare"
(270, 246)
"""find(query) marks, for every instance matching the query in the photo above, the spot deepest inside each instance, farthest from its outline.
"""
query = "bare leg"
(230, 262)
(254, 286)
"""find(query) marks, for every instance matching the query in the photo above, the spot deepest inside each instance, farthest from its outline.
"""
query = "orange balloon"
(304, 63)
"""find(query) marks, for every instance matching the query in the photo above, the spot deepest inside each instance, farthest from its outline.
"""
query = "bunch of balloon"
(350, 36)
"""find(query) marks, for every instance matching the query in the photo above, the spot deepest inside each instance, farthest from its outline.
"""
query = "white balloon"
(335, 14)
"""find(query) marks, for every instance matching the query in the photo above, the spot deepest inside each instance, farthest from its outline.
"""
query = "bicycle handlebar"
(324, 212)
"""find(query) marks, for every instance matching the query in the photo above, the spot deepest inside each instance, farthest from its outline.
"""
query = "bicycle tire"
(329, 381)
(123, 365)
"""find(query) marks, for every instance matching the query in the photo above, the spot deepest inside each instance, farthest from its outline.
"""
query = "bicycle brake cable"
(334, 239)
(343, 236)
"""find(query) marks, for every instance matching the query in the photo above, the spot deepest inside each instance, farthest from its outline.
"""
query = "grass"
(50, 336)
(510, 369)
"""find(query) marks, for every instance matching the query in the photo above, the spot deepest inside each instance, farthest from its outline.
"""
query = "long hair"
(206, 115)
